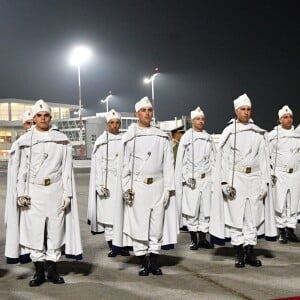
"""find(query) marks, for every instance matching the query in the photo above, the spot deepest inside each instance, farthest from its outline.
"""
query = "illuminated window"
(65, 113)
(5, 137)
(4, 112)
(17, 110)
(55, 112)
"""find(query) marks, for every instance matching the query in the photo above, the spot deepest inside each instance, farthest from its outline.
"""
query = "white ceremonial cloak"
(251, 151)
(11, 216)
(25, 227)
(204, 160)
(155, 157)
(285, 149)
(101, 211)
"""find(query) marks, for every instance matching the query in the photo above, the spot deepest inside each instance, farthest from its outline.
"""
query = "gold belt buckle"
(291, 170)
(202, 175)
(149, 180)
(47, 181)
(248, 170)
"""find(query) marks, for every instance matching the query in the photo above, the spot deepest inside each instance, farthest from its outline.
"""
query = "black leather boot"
(39, 276)
(290, 235)
(250, 257)
(203, 242)
(111, 253)
(282, 236)
(194, 242)
(184, 228)
(239, 256)
(144, 271)
(153, 267)
(53, 275)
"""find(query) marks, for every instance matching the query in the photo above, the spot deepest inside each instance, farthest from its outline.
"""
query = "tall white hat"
(143, 103)
(112, 114)
(242, 100)
(39, 106)
(27, 115)
(198, 112)
(284, 110)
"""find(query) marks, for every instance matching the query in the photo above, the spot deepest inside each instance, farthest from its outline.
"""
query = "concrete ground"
(201, 274)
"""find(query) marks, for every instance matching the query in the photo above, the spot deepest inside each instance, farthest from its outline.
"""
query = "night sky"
(208, 52)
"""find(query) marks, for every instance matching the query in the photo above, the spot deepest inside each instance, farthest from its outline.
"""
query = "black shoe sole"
(283, 242)
(155, 271)
(206, 247)
(143, 273)
(253, 265)
(59, 281)
(239, 266)
(33, 283)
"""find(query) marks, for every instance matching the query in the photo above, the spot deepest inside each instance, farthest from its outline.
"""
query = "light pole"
(151, 80)
(106, 100)
(79, 55)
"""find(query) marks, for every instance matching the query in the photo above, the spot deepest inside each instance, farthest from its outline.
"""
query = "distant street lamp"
(106, 100)
(80, 55)
(151, 80)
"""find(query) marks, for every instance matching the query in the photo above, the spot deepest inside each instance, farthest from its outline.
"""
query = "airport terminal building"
(65, 117)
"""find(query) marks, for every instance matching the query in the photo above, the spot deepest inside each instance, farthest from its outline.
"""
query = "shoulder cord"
(133, 156)
(29, 164)
(106, 172)
(193, 168)
(234, 146)
(275, 160)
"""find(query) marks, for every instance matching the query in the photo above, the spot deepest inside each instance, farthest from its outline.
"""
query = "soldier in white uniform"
(27, 120)
(284, 143)
(103, 180)
(45, 199)
(195, 160)
(242, 205)
(147, 181)
(177, 134)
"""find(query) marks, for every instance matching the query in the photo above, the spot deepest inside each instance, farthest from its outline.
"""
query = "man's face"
(113, 126)
(243, 114)
(198, 123)
(42, 121)
(27, 125)
(177, 135)
(145, 116)
(286, 121)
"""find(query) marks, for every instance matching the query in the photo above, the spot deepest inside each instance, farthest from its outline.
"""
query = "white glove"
(274, 180)
(191, 183)
(263, 191)
(102, 192)
(66, 201)
(23, 201)
(128, 197)
(228, 191)
(166, 198)
(225, 189)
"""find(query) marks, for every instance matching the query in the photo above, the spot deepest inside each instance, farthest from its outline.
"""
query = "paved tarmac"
(201, 274)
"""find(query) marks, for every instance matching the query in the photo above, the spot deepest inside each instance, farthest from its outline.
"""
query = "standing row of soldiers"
(137, 198)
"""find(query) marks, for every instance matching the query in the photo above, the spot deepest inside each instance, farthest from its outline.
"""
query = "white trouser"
(246, 235)
(285, 218)
(108, 232)
(153, 244)
(49, 254)
(144, 247)
(198, 222)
